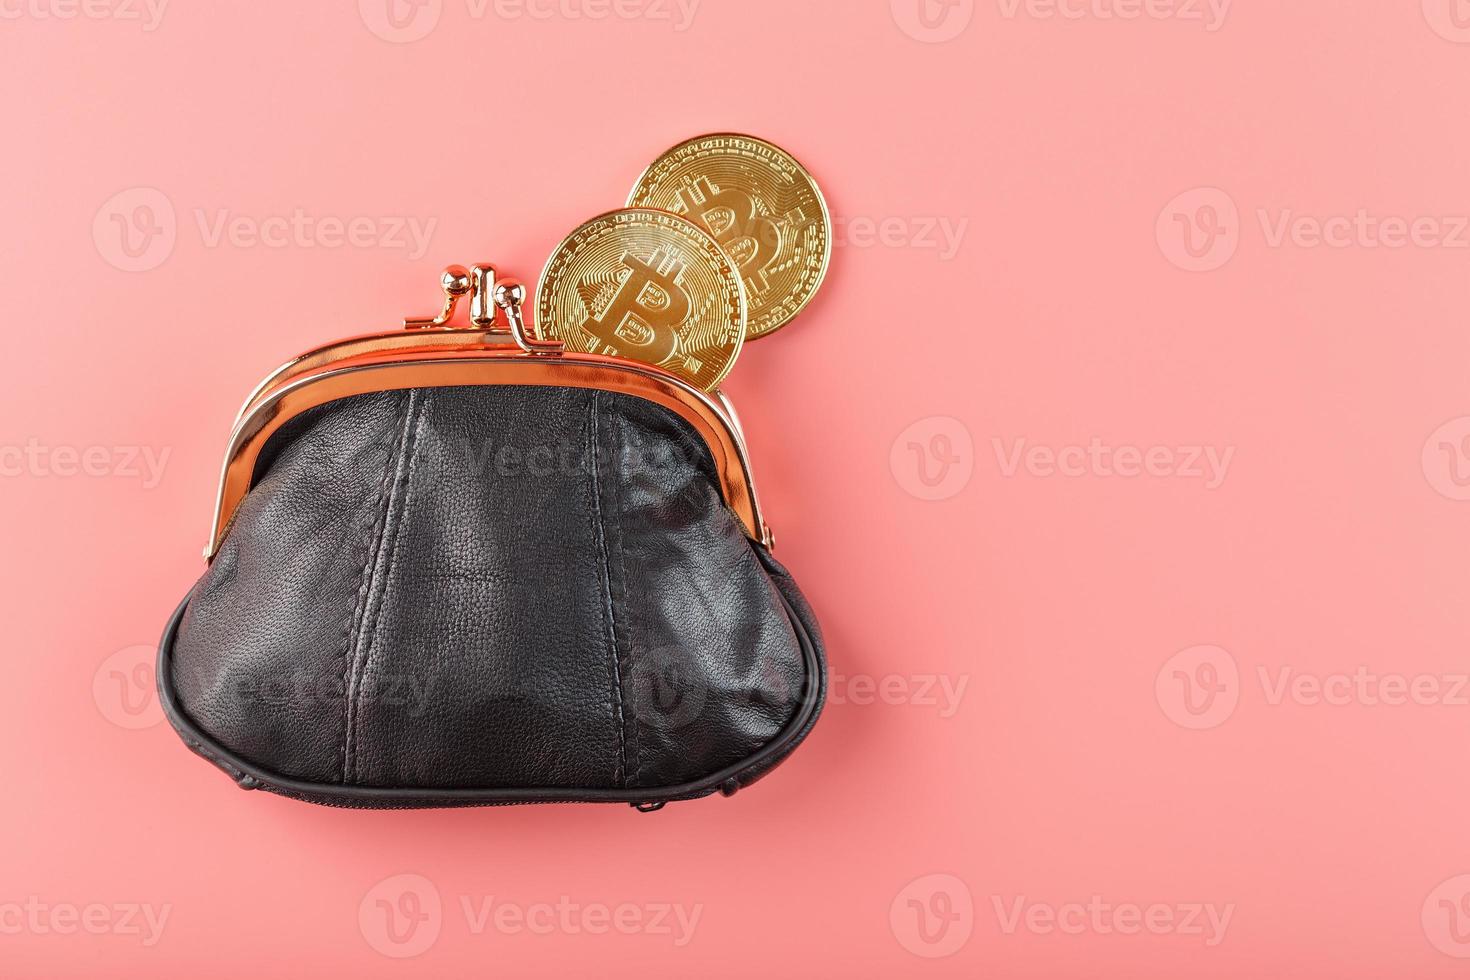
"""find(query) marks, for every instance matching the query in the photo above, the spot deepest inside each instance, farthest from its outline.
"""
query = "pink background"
(1135, 659)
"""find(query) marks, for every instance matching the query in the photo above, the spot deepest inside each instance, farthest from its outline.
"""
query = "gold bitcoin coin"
(646, 285)
(763, 208)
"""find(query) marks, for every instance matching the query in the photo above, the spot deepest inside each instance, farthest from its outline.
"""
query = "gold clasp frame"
(487, 295)
(435, 352)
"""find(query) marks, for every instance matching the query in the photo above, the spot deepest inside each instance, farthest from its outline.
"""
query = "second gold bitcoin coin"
(645, 285)
(761, 205)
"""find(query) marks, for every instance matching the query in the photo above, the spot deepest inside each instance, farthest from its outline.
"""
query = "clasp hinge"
(487, 295)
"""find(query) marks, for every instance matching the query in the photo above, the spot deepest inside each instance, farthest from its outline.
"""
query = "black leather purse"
(462, 566)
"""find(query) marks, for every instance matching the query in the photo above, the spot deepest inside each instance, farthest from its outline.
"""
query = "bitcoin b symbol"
(732, 218)
(648, 308)
(646, 285)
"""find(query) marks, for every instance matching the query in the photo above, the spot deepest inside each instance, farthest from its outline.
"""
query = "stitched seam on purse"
(609, 619)
(635, 776)
(407, 457)
(372, 547)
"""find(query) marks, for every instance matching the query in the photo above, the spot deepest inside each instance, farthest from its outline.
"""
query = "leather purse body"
(449, 569)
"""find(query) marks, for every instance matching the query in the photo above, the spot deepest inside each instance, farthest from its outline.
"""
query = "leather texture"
(491, 594)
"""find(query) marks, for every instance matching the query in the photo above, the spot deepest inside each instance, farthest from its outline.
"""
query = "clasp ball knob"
(456, 280)
(509, 293)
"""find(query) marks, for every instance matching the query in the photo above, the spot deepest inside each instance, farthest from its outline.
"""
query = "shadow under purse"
(457, 567)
